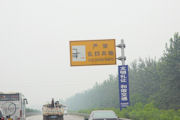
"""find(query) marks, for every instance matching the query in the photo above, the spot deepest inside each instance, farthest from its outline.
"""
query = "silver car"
(103, 115)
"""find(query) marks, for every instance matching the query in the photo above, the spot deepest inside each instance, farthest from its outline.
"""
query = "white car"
(103, 115)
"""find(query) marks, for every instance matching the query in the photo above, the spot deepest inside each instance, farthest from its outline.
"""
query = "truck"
(53, 111)
(12, 105)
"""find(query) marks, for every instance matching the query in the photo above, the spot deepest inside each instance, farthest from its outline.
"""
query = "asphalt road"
(66, 117)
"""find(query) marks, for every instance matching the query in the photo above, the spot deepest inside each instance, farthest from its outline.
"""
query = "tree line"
(150, 81)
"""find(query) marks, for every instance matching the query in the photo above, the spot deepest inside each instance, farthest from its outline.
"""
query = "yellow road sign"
(92, 52)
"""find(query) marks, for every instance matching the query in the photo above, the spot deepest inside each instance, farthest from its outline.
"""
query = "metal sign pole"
(122, 58)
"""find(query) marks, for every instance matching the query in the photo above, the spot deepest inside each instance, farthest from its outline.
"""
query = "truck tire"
(62, 118)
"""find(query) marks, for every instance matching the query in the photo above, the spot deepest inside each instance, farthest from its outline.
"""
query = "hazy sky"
(35, 35)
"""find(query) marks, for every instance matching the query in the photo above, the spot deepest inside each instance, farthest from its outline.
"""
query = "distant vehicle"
(65, 111)
(103, 115)
(13, 105)
(53, 111)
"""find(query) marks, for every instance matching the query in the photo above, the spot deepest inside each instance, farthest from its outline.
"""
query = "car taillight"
(2, 118)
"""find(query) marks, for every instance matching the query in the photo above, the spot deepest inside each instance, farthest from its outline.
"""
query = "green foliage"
(169, 72)
(104, 95)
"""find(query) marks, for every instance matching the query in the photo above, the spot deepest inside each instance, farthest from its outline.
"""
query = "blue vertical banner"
(123, 86)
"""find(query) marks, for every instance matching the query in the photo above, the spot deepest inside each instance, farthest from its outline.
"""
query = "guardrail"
(79, 114)
(124, 119)
(87, 115)
(32, 114)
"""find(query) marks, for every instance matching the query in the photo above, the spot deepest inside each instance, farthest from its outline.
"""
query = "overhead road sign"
(93, 52)
(123, 86)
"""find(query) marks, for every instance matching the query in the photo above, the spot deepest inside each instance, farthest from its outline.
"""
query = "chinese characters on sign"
(93, 52)
(123, 86)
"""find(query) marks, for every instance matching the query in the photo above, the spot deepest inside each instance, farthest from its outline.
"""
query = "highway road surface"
(66, 117)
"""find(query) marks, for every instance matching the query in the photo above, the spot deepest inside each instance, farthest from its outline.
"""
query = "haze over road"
(66, 117)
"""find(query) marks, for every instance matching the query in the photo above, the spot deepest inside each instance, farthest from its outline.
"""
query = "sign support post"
(122, 57)
(123, 79)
